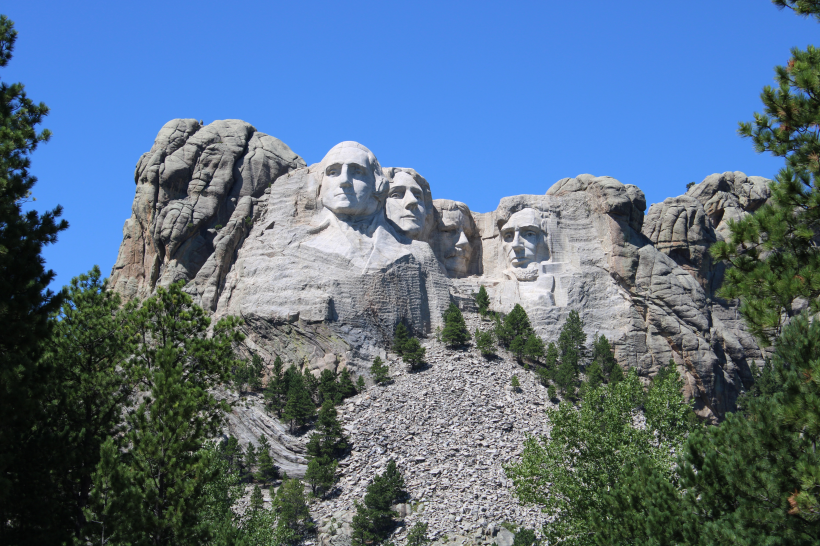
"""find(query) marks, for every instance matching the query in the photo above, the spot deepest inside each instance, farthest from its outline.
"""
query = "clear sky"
(485, 99)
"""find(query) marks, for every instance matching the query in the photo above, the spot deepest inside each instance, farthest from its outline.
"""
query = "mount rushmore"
(323, 261)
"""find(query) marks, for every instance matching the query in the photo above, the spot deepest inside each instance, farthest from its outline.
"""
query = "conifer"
(455, 330)
(299, 407)
(418, 533)
(482, 301)
(400, 338)
(379, 371)
(485, 342)
(346, 387)
(267, 470)
(534, 347)
(360, 385)
(329, 387)
(413, 353)
(292, 508)
(602, 354)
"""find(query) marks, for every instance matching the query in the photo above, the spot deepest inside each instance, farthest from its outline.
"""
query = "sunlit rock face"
(323, 261)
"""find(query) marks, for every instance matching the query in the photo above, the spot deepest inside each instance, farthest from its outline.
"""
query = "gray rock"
(504, 538)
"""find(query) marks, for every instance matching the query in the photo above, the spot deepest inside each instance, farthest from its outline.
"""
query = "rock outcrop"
(323, 261)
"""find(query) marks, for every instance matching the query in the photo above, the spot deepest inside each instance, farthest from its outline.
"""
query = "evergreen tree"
(250, 459)
(516, 324)
(566, 377)
(418, 533)
(517, 347)
(291, 506)
(89, 353)
(329, 439)
(413, 353)
(482, 300)
(276, 389)
(571, 341)
(534, 347)
(299, 407)
(551, 392)
(774, 252)
(595, 377)
(267, 471)
(360, 386)
(161, 470)
(374, 520)
(485, 342)
(455, 330)
(231, 452)
(26, 455)
(379, 371)
(329, 387)
(321, 473)
(400, 337)
(514, 383)
(602, 354)
(551, 359)
(346, 387)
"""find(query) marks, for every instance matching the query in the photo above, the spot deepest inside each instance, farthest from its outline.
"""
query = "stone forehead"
(348, 148)
(526, 217)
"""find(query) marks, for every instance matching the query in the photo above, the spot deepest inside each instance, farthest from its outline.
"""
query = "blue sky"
(484, 99)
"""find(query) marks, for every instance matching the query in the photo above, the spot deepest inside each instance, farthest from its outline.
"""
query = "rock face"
(323, 261)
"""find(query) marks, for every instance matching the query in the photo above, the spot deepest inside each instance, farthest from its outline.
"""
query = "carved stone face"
(405, 205)
(454, 232)
(522, 239)
(349, 182)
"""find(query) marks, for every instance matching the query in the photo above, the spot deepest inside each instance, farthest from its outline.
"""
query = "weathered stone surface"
(191, 181)
(323, 261)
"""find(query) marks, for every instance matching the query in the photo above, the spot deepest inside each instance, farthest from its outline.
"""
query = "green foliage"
(374, 520)
(551, 392)
(590, 450)
(413, 353)
(595, 377)
(89, 354)
(158, 475)
(360, 386)
(418, 533)
(455, 330)
(485, 342)
(251, 459)
(525, 537)
(482, 300)
(533, 348)
(329, 387)
(321, 473)
(514, 325)
(379, 371)
(290, 504)
(276, 390)
(775, 258)
(571, 352)
(603, 354)
(299, 406)
(328, 439)
(346, 388)
(400, 337)
(690, 184)
(27, 452)
(249, 374)
(267, 471)
(514, 383)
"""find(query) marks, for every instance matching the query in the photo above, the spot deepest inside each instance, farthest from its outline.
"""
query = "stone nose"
(462, 241)
(516, 242)
(410, 201)
(345, 180)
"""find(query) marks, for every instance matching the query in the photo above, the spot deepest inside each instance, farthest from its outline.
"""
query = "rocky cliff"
(323, 261)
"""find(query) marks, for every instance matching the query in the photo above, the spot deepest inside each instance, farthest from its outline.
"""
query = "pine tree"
(231, 452)
(400, 337)
(517, 347)
(346, 387)
(774, 254)
(360, 386)
(418, 533)
(321, 473)
(571, 340)
(162, 468)
(413, 353)
(329, 387)
(250, 459)
(88, 352)
(267, 470)
(276, 389)
(602, 354)
(514, 383)
(291, 506)
(534, 347)
(516, 324)
(595, 377)
(379, 371)
(329, 439)
(525, 537)
(551, 359)
(311, 384)
(26, 456)
(299, 407)
(374, 520)
(485, 342)
(455, 330)
(482, 300)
